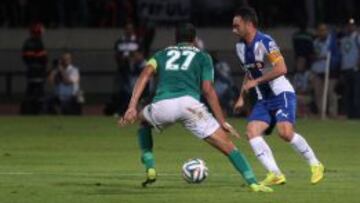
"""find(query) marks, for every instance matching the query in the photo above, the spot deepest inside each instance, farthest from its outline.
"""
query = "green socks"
(147, 159)
(242, 165)
(237, 158)
(146, 145)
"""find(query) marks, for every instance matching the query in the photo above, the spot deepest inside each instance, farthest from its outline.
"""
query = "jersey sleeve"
(272, 50)
(153, 61)
(207, 68)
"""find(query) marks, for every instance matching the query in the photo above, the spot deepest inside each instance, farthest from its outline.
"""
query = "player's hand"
(239, 104)
(250, 83)
(228, 128)
(129, 117)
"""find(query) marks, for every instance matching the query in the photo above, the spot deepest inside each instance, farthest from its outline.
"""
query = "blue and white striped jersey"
(252, 59)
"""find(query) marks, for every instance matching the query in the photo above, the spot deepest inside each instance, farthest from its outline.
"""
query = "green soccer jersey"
(181, 69)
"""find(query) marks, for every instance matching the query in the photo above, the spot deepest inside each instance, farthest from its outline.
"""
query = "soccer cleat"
(317, 172)
(273, 179)
(260, 188)
(150, 177)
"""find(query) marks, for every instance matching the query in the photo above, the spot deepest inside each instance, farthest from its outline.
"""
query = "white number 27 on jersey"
(174, 55)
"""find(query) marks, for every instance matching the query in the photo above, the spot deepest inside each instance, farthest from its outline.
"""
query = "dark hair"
(185, 33)
(248, 14)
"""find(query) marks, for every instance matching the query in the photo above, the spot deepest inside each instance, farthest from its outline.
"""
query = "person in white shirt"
(324, 43)
(66, 80)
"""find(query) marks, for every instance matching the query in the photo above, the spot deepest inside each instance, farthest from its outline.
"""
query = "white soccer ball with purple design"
(194, 171)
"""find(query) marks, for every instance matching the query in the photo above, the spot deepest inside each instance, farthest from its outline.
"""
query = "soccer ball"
(194, 171)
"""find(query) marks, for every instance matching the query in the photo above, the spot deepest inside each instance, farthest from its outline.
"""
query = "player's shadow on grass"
(132, 185)
(164, 187)
(134, 188)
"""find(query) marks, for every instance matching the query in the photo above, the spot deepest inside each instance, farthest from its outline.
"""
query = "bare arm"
(212, 99)
(131, 113)
(242, 91)
(140, 85)
(240, 102)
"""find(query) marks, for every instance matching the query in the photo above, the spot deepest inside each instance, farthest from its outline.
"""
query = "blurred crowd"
(339, 50)
(334, 48)
(63, 78)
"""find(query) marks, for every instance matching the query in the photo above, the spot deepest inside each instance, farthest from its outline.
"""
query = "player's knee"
(286, 133)
(222, 141)
(251, 132)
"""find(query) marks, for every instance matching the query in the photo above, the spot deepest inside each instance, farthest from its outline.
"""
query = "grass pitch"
(88, 159)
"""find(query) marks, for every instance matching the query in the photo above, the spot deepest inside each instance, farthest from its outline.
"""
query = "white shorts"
(187, 110)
